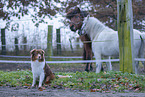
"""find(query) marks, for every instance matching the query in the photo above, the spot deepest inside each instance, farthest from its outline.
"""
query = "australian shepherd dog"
(40, 69)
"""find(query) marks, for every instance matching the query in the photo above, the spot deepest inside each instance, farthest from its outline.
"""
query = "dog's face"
(37, 55)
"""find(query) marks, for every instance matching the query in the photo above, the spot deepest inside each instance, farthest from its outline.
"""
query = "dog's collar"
(82, 31)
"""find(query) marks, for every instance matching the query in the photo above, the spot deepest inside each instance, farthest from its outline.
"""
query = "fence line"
(59, 57)
(77, 43)
(139, 59)
(7, 56)
(75, 61)
(55, 57)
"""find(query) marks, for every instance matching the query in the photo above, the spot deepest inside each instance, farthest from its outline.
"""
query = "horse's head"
(76, 17)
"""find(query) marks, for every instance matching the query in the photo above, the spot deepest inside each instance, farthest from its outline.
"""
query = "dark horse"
(78, 16)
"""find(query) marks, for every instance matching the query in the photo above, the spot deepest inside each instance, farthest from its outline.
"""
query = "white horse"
(109, 44)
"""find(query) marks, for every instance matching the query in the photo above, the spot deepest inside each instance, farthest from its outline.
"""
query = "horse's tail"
(141, 50)
(142, 37)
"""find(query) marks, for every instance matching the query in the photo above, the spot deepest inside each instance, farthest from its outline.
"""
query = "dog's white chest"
(37, 67)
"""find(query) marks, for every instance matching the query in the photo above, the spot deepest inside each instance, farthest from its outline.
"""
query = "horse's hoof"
(86, 70)
(91, 68)
(102, 69)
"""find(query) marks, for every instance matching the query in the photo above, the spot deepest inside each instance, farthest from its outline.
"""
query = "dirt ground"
(6, 91)
(49, 92)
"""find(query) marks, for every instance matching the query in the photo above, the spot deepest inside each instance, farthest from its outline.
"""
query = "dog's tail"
(62, 76)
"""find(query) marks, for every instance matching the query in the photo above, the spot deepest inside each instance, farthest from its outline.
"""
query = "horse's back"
(107, 42)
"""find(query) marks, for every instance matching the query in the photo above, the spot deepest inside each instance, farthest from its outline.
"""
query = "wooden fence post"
(58, 40)
(3, 40)
(24, 42)
(49, 41)
(78, 46)
(125, 35)
(16, 46)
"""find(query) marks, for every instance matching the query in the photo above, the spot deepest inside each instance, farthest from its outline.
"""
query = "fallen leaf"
(122, 83)
(118, 78)
(116, 86)
(29, 88)
(136, 89)
(104, 72)
(137, 86)
(27, 84)
(41, 88)
(93, 90)
(130, 88)
(126, 84)
(107, 91)
(135, 81)
(113, 80)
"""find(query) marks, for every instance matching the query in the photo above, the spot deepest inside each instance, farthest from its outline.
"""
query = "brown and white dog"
(39, 67)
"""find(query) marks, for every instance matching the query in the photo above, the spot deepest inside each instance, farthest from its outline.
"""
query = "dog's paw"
(41, 88)
(32, 87)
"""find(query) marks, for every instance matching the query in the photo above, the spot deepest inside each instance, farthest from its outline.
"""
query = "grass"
(107, 81)
(101, 82)
(15, 78)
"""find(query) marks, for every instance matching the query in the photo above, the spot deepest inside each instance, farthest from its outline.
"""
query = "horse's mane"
(75, 11)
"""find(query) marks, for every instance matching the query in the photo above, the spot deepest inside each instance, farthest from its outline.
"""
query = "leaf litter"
(106, 82)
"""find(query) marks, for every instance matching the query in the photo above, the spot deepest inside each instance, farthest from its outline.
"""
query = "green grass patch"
(15, 78)
(101, 82)
(105, 81)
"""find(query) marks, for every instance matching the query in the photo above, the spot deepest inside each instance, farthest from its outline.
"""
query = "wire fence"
(71, 44)
(64, 57)
(18, 43)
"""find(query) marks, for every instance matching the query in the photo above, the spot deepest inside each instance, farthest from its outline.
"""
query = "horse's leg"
(84, 53)
(136, 63)
(85, 58)
(98, 63)
(136, 67)
(141, 52)
(109, 65)
(138, 53)
(89, 66)
(87, 55)
(97, 53)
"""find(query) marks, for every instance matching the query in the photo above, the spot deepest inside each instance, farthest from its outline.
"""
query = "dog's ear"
(43, 51)
(32, 51)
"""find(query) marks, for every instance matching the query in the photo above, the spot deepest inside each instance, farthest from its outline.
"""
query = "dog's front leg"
(34, 80)
(41, 79)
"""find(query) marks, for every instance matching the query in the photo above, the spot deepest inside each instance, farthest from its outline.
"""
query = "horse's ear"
(84, 14)
(73, 12)
(77, 9)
